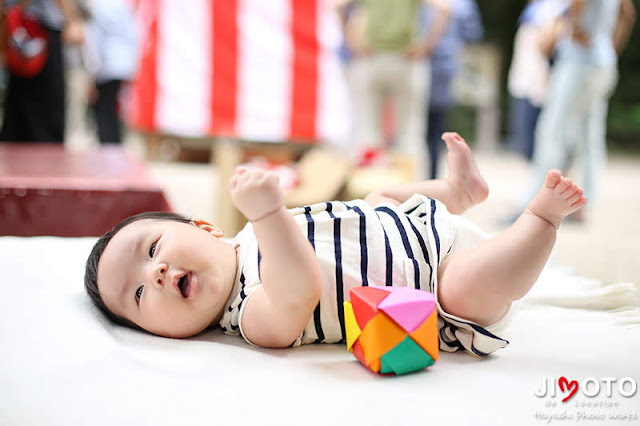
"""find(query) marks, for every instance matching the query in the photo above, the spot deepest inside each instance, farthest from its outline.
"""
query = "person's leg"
(13, 123)
(592, 152)
(523, 116)
(561, 110)
(439, 103)
(367, 102)
(435, 129)
(34, 107)
(481, 282)
(410, 90)
(517, 124)
(106, 112)
(463, 188)
(531, 118)
(46, 104)
(594, 146)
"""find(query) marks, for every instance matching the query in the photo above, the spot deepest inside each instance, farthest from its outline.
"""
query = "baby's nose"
(158, 275)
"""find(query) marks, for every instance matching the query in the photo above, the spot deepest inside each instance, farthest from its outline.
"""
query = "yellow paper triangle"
(351, 325)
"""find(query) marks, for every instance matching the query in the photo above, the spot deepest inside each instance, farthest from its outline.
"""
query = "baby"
(283, 279)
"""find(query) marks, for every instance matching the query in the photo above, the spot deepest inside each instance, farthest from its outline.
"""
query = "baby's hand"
(255, 193)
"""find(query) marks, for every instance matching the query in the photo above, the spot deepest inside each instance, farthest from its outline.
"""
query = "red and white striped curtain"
(260, 70)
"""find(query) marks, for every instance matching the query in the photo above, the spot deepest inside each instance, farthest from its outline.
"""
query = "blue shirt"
(112, 40)
(465, 25)
(599, 19)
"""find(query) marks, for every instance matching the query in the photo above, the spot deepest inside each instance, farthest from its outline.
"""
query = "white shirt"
(357, 245)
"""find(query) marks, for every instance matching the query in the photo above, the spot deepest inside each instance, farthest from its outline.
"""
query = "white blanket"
(62, 363)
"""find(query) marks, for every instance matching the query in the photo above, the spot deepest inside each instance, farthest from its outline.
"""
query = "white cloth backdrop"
(62, 363)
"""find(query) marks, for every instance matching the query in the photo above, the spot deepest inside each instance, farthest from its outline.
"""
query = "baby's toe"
(564, 184)
(570, 191)
(575, 196)
(553, 177)
(580, 203)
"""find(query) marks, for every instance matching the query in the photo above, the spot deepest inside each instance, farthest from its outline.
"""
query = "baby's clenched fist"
(256, 193)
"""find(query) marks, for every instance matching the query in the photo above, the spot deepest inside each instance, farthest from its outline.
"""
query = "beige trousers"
(375, 77)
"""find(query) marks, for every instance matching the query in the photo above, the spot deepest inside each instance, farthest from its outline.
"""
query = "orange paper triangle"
(426, 336)
(376, 365)
(380, 335)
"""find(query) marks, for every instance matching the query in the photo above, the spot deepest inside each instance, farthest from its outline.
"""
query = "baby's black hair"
(91, 269)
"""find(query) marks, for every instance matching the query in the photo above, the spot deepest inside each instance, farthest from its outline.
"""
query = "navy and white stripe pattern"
(358, 245)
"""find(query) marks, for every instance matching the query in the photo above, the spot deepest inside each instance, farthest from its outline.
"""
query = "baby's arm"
(278, 311)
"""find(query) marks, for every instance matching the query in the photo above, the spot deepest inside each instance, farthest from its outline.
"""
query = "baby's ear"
(212, 229)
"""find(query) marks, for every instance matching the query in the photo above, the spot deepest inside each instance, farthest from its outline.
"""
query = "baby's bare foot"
(464, 176)
(557, 198)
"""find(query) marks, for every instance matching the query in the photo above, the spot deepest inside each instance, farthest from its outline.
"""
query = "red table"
(47, 190)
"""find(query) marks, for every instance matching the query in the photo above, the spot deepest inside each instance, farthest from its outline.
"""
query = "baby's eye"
(152, 249)
(139, 293)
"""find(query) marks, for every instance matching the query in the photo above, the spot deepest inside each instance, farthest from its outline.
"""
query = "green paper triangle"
(405, 357)
(385, 367)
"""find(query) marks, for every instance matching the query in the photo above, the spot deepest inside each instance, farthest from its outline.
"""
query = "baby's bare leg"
(463, 188)
(480, 283)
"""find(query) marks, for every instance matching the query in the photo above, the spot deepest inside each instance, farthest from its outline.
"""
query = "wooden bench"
(46, 189)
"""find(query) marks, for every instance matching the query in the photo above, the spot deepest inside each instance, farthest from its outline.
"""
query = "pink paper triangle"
(408, 307)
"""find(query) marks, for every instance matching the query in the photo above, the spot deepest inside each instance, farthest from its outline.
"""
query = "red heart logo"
(563, 382)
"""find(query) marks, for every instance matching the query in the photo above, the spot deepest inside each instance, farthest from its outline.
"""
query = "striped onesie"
(359, 245)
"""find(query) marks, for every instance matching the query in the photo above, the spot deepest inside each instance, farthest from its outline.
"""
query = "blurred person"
(465, 25)
(34, 107)
(582, 79)
(111, 59)
(346, 13)
(389, 59)
(540, 24)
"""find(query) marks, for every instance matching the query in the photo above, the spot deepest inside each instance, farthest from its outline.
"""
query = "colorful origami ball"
(392, 330)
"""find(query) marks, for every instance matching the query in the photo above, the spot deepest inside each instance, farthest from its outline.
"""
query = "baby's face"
(170, 278)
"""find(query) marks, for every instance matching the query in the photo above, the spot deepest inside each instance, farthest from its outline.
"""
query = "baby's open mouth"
(184, 285)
